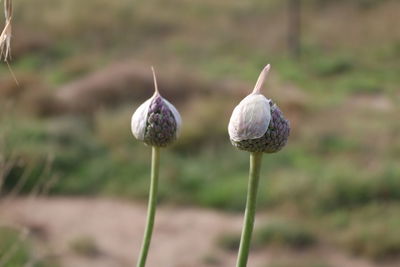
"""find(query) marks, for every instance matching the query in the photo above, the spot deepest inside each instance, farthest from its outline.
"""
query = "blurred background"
(74, 182)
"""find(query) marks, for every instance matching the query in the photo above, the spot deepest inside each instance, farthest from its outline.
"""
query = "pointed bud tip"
(261, 79)
(155, 81)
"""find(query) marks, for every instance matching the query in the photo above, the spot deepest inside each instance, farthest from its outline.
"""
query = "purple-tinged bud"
(257, 124)
(156, 122)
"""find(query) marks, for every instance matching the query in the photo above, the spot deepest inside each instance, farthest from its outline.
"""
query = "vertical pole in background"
(294, 30)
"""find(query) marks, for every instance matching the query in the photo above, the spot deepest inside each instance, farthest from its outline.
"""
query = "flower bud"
(156, 122)
(257, 124)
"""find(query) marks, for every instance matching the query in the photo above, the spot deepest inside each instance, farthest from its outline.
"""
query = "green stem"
(248, 224)
(151, 209)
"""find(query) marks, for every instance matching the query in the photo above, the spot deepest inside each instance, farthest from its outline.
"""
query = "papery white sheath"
(250, 119)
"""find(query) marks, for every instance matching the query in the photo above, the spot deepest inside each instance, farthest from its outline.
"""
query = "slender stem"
(248, 224)
(151, 209)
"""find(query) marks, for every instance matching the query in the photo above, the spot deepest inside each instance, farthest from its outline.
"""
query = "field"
(330, 198)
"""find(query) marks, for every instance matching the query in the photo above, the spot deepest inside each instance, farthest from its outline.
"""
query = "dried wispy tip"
(5, 37)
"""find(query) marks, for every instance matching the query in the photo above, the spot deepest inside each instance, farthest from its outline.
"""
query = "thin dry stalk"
(5, 168)
(21, 182)
(5, 37)
(41, 188)
(8, 254)
(43, 184)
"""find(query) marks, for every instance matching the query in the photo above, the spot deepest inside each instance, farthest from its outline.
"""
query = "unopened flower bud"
(257, 124)
(156, 122)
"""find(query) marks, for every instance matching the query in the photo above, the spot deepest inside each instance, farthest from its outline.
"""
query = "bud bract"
(156, 122)
(257, 124)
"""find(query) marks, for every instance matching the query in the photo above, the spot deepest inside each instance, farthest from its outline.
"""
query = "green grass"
(283, 233)
(316, 180)
(11, 238)
(370, 231)
(341, 157)
(16, 250)
(85, 246)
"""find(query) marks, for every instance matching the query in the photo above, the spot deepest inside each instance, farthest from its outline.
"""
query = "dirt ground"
(84, 232)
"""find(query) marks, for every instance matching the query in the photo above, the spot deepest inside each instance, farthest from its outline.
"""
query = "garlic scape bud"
(156, 122)
(257, 124)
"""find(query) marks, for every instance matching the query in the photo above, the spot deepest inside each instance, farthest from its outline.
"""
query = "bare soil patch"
(106, 232)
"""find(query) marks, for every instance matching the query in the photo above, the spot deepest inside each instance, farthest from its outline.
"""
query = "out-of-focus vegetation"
(16, 250)
(85, 246)
(339, 174)
(280, 233)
